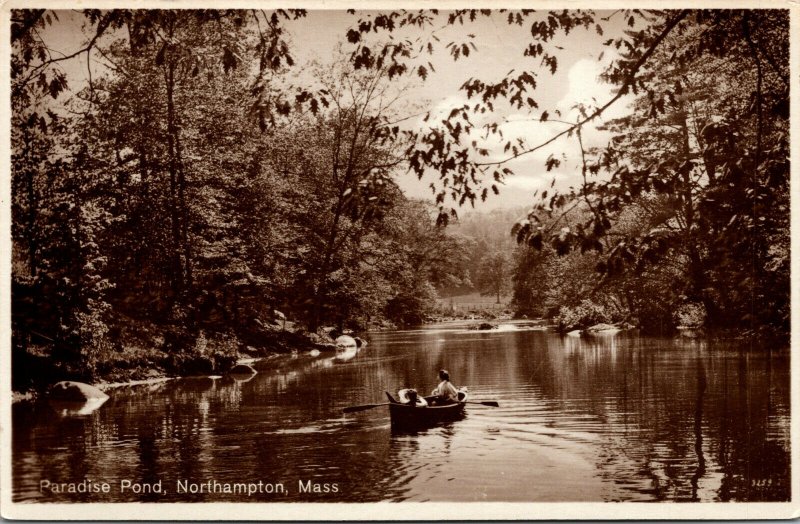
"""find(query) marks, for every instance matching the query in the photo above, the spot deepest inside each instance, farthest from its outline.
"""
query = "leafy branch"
(623, 90)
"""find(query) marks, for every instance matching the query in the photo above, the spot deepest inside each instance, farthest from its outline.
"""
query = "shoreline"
(141, 363)
(32, 395)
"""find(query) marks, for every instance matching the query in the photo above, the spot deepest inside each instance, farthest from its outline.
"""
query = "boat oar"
(364, 407)
(354, 409)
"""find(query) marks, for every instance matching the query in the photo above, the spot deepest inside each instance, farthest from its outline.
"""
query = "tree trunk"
(696, 270)
(186, 246)
(31, 233)
(316, 308)
(175, 257)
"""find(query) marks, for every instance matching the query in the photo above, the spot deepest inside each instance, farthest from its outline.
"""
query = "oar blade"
(490, 403)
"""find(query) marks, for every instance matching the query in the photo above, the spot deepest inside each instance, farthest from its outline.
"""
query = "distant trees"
(429, 260)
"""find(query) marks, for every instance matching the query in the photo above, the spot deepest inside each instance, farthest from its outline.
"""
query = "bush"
(585, 314)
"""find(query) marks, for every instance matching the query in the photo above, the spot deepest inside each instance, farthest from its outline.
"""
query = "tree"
(494, 277)
(96, 187)
(428, 260)
(345, 158)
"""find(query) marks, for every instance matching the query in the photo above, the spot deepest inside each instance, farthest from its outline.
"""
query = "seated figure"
(410, 396)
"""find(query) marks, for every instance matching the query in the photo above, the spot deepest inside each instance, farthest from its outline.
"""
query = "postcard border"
(382, 510)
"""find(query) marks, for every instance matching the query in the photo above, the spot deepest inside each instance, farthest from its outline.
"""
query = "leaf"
(535, 241)
(353, 36)
(55, 87)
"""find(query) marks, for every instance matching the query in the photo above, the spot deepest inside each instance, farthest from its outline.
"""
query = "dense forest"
(175, 209)
(691, 228)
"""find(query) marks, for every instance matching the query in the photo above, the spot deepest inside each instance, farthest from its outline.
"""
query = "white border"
(429, 511)
(381, 510)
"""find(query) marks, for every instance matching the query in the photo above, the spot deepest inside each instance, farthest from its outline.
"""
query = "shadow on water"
(586, 419)
(423, 427)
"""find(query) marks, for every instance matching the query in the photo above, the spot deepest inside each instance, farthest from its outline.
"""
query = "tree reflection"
(660, 426)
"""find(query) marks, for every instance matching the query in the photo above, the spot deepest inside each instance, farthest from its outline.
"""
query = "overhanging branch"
(622, 91)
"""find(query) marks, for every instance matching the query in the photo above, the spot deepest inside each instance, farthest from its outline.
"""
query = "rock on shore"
(69, 391)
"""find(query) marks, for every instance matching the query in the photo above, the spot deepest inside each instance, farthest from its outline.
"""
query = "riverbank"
(137, 361)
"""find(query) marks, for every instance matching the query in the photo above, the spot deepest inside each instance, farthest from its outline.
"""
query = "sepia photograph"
(294, 262)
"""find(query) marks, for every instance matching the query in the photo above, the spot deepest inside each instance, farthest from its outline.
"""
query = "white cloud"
(585, 87)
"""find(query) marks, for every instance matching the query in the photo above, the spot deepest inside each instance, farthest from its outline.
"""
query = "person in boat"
(445, 392)
(410, 396)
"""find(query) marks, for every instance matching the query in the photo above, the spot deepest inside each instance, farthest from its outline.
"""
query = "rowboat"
(407, 415)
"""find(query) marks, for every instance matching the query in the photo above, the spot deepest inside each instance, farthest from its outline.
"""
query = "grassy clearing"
(473, 305)
(474, 300)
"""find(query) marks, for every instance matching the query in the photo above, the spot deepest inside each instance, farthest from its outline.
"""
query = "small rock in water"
(484, 326)
(602, 327)
(314, 352)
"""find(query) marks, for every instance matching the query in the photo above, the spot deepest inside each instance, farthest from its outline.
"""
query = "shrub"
(585, 314)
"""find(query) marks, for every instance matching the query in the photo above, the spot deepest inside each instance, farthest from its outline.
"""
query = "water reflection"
(74, 408)
(603, 418)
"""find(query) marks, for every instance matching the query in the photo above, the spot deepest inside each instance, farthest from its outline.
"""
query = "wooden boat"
(406, 415)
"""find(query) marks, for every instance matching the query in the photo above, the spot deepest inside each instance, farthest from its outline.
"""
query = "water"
(615, 418)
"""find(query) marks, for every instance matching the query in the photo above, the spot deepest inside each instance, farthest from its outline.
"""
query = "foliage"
(177, 196)
(704, 147)
(692, 315)
(692, 158)
(586, 314)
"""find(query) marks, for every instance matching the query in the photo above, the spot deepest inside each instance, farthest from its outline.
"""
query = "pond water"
(611, 418)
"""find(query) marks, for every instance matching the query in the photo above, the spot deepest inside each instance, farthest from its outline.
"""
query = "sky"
(500, 49)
